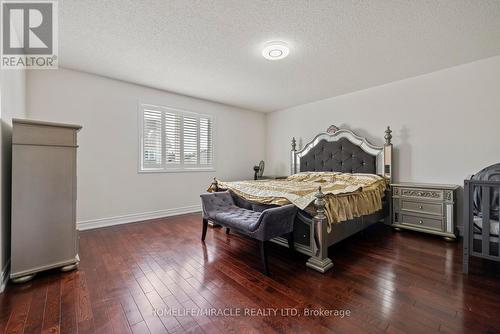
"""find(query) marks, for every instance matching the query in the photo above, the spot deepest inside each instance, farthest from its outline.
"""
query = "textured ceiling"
(211, 49)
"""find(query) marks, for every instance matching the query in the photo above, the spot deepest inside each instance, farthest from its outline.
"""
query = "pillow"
(491, 173)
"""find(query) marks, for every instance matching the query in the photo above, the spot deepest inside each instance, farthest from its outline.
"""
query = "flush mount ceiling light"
(275, 50)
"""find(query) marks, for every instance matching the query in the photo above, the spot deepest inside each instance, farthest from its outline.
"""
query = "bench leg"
(263, 257)
(228, 230)
(204, 230)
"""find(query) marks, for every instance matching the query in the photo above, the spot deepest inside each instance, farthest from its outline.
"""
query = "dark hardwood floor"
(390, 282)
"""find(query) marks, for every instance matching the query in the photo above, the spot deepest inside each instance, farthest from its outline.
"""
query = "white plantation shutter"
(190, 133)
(172, 139)
(152, 139)
(205, 141)
(175, 140)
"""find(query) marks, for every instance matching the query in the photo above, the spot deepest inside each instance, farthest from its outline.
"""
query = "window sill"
(174, 170)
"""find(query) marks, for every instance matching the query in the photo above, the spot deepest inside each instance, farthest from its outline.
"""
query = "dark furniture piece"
(481, 216)
(424, 207)
(222, 209)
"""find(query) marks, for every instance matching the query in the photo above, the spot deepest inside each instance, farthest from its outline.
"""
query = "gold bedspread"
(348, 196)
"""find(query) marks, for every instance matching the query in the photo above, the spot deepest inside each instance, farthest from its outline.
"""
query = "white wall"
(12, 105)
(446, 124)
(108, 182)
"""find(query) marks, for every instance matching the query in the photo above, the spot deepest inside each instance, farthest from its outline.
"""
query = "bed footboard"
(319, 260)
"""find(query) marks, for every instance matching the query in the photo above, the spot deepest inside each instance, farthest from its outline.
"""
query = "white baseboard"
(135, 217)
(4, 276)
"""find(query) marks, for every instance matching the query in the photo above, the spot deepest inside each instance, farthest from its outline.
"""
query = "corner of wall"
(267, 154)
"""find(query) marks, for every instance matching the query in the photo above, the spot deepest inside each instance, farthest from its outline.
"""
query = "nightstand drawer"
(422, 222)
(426, 194)
(427, 208)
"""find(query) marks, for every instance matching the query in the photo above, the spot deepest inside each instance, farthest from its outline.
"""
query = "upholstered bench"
(220, 208)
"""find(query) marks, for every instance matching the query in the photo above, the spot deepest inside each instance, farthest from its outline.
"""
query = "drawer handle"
(304, 235)
(420, 207)
(420, 222)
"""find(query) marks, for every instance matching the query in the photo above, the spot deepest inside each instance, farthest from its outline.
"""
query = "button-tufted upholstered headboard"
(338, 156)
(340, 150)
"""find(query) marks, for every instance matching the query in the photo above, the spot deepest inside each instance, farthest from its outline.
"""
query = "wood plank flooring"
(131, 275)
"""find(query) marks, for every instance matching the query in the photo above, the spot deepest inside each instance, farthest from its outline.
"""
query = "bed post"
(388, 155)
(387, 172)
(215, 185)
(293, 157)
(320, 260)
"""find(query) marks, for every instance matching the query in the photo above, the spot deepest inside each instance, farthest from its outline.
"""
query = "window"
(173, 140)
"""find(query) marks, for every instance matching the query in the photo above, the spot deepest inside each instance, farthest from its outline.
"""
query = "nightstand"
(429, 208)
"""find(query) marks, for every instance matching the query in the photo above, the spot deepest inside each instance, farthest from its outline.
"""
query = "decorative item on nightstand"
(259, 170)
(429, 208)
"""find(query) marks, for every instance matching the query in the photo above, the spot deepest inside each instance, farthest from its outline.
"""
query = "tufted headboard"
(340, 150)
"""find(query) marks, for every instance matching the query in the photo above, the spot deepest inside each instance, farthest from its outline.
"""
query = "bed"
(337, 152)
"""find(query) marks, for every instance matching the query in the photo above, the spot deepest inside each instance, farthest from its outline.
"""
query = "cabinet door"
(43, 207)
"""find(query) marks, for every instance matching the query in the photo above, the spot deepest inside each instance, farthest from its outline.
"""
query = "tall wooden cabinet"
(43, 231)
